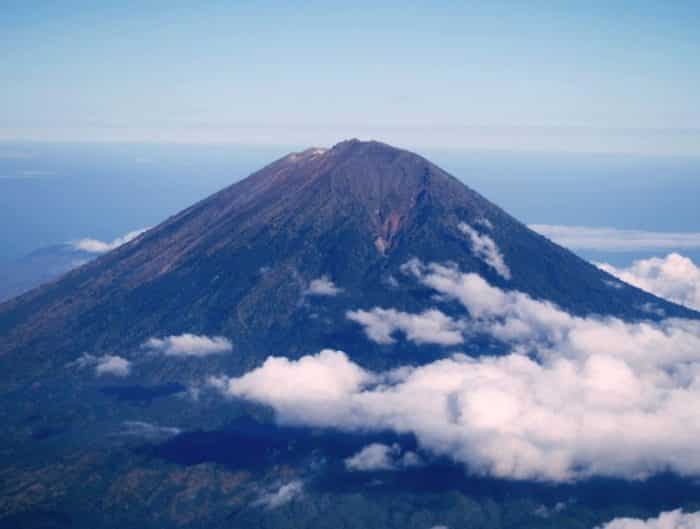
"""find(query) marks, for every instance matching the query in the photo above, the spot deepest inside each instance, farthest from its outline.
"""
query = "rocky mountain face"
(270, 266)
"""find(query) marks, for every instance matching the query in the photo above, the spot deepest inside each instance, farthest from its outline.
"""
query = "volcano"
(240, 264)
(109, 415)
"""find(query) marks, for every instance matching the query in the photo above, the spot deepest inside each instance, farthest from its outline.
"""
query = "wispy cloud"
(97, 246)
(674, 277)
(148, 430)
(612, 239)
(282, 495)
(189, 345)
(486, 249)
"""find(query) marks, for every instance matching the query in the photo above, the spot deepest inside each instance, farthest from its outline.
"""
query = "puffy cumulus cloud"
(378, 456)
(485, 249)
(666, 520)
(189, 345)
(673, 277)
(322, 286)
(431, 326)
(103, 365)
(113, 365)
(576, 397)
(282, 495)
(312, 388)
(97, 246)
(612, 239)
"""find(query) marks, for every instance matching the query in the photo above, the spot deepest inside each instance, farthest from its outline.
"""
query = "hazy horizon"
(559, 76)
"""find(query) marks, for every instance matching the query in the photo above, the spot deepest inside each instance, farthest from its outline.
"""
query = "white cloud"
(485, 249)
(576, 397)
(313, 384)
(148, 430)
(189, 345)
(612, 239)
(431, 326)
(486, 223)
(322, 286)
(378, 456)
(113, 365)
(674, 277)
(104, 365)
(666, 520)
(283, 495)
(375, 456)
(96, 246)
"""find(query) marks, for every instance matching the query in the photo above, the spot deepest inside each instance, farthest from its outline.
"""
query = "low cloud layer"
(322, 286)
(577, 397)
(104, 365)
(189, 345)
(378, 456)
(666, 520)
(612, 239)
(97, 246)
(674, 277)
(485, 249)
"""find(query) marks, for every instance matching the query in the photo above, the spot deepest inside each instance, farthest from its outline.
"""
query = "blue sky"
(553, 76)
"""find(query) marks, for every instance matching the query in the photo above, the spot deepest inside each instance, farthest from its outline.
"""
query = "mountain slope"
(96, 420)
(239, 263)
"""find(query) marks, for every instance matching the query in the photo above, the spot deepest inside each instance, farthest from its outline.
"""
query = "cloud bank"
(189, 345)
(666, 520)
(97, 246)
(576, 397)
(485, 249)
(674, 277)
(612, 239)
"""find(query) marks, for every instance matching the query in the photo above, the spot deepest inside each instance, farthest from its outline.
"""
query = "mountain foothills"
(253, 362)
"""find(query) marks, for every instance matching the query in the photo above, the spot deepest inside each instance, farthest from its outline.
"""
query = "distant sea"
(58, 192)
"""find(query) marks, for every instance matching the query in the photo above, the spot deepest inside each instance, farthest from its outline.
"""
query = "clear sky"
(620, 76)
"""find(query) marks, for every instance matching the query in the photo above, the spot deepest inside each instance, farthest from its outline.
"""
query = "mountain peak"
(370, 151)
(378, 178)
